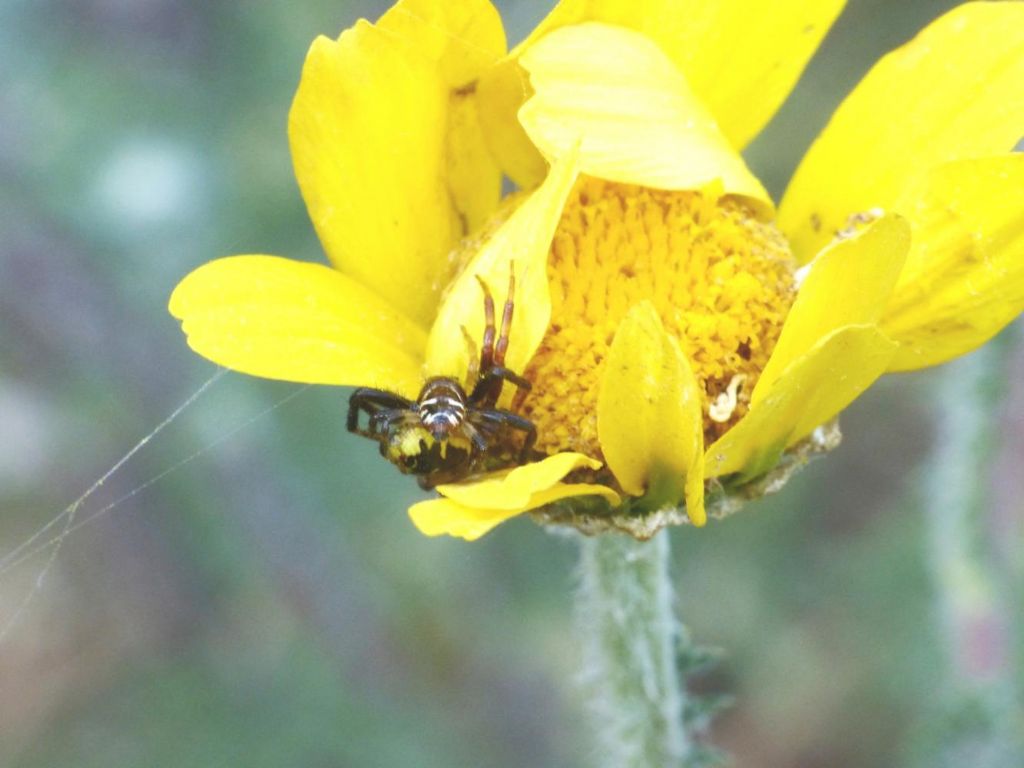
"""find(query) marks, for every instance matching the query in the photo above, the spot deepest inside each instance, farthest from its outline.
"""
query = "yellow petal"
(464, 37)
(849, 283)
(501, 91)
(436, 517)
(522, 241)
(296, 321)
(741, 58)
(964, 280)
(809, 393)
(694, 488)
(474, 177)
(368, 138)
(637, 120)
(513, 489)
(649, 414)
(954, 92)
(444, 516)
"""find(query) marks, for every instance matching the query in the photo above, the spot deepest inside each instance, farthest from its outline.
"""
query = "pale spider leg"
(506, 319)
(478, 440)
(473, 369)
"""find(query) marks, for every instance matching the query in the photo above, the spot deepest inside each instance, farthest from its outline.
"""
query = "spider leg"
(512, 421)
(487, 346)
(373, 402)
(382, 421)
(492, 372)
(488, 386)
(478, 440)
(506, 318)
(519, 398)
(506, 374)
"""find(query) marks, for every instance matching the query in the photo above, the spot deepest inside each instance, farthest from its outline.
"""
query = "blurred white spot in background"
(149, 183)
(28, 438)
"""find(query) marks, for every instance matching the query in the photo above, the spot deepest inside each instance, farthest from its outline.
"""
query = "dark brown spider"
(446, 435)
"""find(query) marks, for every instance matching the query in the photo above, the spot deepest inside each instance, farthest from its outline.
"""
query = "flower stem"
(630, 639)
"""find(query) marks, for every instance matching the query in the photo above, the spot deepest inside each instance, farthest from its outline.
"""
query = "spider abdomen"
(441, 405)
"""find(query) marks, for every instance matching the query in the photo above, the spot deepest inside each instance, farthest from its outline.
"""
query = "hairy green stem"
(630, 640)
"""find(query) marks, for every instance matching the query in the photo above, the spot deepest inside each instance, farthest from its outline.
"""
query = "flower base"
(593, 517)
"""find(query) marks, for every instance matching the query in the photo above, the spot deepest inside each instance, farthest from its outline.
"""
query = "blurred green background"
(269, 604)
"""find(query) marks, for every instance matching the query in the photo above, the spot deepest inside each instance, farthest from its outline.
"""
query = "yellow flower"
(674, 328)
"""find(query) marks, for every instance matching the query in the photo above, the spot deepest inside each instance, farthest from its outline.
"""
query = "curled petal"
(444, 516)
(636, 118)
(500, 93)
(650, 416)
(469, 510)
(513, 489)
(849, 283)
(437, 517)
(741, 58)
(521, 243)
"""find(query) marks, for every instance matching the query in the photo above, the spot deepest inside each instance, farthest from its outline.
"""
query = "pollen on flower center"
(721, 280)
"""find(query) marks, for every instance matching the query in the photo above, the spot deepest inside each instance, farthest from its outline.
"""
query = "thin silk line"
(32, 546)
(42, 546)
(19, 554)
(10, 558)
